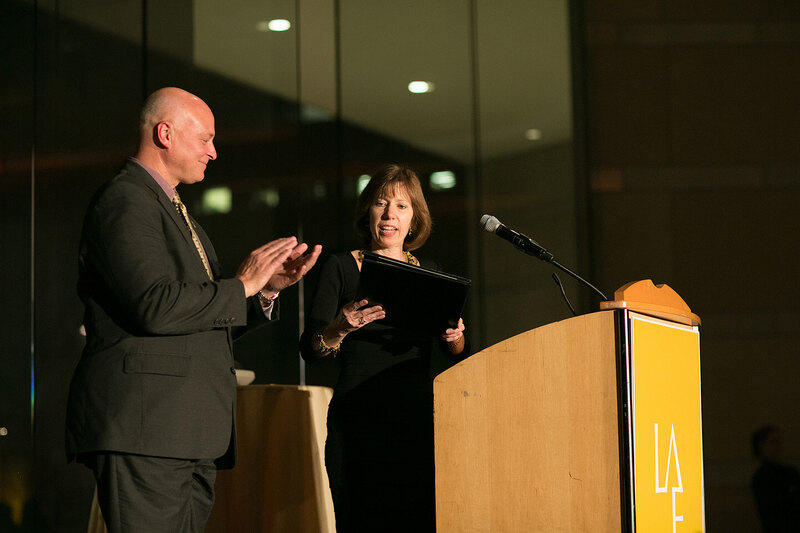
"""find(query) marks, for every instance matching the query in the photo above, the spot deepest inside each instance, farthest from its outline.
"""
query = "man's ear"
(162, 134)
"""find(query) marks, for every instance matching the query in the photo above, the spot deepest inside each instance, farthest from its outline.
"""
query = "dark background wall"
(694, 152)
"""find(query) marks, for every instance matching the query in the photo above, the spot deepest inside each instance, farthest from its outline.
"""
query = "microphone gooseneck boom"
(529, 246)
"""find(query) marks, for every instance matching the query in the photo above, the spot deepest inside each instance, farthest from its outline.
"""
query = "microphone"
(531, 247)
(520, 241)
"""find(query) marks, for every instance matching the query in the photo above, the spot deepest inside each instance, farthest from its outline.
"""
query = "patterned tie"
(176, 200)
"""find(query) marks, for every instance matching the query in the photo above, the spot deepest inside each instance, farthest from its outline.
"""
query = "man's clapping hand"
(276, 265)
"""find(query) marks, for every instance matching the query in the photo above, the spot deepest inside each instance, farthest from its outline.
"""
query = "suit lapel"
(145, 179)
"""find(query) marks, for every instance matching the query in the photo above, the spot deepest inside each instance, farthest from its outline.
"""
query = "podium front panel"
(527, 433)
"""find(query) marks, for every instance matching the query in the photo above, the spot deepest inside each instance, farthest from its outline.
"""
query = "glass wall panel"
(17, 22)
(247, 73)
(301, 115)
(527, 160)
(386, 47)
(88, 85)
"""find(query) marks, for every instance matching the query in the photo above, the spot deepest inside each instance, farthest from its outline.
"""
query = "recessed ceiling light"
(274, 25)
(533, 134)
(420, 87)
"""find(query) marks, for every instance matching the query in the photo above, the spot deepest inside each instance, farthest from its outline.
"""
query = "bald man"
(151, 403)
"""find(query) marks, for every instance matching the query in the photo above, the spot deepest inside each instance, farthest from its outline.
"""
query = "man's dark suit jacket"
(156, 376)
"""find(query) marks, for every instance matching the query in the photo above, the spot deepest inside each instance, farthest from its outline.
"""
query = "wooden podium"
(588, 424)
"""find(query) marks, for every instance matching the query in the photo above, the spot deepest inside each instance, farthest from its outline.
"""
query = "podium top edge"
(668, 313)
(649, 298)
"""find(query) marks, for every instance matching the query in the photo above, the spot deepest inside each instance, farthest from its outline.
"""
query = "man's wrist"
(266, 299)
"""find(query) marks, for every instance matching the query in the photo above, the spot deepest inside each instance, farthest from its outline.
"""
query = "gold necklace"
(410, 259)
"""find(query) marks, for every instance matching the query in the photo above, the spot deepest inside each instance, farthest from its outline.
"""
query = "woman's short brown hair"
(388, 178)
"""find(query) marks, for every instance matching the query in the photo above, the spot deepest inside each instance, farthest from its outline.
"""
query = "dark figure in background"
(776, 486)
(379, 451)
(152, 400)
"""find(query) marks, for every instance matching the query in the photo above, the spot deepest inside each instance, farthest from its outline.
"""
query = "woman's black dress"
(379, 451)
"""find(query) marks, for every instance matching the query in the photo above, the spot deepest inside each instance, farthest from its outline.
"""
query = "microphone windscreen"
(490, 223)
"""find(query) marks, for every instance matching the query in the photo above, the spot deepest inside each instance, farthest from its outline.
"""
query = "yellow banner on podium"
(667, 426)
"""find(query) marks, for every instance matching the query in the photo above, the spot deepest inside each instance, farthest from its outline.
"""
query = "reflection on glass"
(498, 123)
(527, 156)
(362, 183)
(217, 200)
(229, 40)
(266, 197)
(443, 180)
(420, 87)
(279, 25)
(386, 45)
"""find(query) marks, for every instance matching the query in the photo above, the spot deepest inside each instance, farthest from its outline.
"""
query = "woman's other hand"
(454, 334)
(356, 315)
(352, 316)
(454, 337)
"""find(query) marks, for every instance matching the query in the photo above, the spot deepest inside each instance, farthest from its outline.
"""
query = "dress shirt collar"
(166, 187)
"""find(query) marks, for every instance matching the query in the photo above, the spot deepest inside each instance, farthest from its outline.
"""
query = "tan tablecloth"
(279, 483)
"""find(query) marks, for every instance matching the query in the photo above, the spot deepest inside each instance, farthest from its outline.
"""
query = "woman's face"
(390, 219)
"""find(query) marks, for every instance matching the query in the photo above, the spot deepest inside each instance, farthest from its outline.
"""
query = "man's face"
(192, 144)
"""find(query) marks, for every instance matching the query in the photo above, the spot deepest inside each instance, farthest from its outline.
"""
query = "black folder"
(414, 298)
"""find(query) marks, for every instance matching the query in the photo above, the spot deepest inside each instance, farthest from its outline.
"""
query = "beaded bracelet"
(265, 300)
(324, 348)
